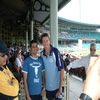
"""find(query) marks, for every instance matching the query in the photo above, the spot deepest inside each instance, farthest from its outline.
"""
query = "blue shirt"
(53, 64)
(34, 67)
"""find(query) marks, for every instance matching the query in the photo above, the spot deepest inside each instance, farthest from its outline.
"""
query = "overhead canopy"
(77, 25)
(13, 12)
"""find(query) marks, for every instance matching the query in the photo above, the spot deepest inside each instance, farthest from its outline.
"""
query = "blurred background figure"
(19, 59)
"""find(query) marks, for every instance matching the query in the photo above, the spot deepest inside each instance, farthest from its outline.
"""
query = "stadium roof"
(12, 10)
(77, 25)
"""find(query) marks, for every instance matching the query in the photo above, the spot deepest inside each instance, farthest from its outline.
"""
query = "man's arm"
(78, 63)
(43, 80)
(60, 65)
(25, 85)
(61, 82)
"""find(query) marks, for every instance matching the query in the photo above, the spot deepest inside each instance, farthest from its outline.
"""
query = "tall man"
(54, 69)
(84, 61)
(33, 72)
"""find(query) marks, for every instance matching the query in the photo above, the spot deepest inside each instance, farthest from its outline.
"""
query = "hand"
(92, 84)
(28, 98)
(66, 69)
(58, 94)
(43, 93)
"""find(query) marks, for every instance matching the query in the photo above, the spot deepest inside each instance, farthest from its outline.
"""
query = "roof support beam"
(54, 22)
(32, 21)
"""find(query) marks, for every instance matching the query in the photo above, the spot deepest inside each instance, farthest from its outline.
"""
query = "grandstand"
(70, 32)
(73, 34)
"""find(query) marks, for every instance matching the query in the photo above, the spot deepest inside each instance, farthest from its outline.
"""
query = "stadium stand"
(79, 34)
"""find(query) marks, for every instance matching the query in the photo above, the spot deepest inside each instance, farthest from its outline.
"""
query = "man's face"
(34, 48)
(46, 42)
(3, 59)
(92, 50)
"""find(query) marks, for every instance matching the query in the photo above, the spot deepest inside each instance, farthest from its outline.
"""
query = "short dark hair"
(92, 44)
(32, 41)
(44, 35)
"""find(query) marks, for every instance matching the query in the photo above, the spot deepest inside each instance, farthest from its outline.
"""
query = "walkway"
(75, 87)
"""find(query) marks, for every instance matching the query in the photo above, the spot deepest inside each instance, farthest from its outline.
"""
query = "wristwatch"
(84, 96)
(43, 88)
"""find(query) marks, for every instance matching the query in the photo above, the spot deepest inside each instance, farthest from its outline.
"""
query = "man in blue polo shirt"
(33, 72)
(54, 69)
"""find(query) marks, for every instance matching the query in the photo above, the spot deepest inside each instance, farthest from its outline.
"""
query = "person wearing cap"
(9, 86)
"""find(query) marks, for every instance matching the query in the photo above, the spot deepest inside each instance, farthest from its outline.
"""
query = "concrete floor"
(75, 87)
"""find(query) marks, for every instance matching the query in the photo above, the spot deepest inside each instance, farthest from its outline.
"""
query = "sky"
(86, 11)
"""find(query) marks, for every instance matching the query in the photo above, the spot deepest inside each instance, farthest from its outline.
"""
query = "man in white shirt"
(84, 61)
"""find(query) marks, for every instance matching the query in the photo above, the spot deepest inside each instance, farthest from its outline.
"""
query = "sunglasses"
(2, 54)
(92, 49)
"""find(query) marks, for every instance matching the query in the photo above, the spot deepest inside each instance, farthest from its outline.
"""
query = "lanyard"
(7, 74)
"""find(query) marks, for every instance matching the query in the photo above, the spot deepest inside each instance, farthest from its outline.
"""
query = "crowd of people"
(74, 34)
(16, 56)
(44, 75)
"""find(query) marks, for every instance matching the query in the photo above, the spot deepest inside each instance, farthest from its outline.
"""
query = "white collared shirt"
(82, 62)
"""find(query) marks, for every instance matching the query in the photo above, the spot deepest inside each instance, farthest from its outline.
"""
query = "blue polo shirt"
(34, 67)
(53, 64)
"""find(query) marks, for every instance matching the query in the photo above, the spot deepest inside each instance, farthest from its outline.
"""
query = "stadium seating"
(78, 34)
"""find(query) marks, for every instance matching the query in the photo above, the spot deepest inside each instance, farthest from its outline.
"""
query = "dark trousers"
(6, 97)
(36, 97)
(52, 95)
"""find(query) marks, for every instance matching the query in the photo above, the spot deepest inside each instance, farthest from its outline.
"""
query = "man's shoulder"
(87, 56)
(17, 59)
(54, 49)
(27, 59)
(40, 58)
